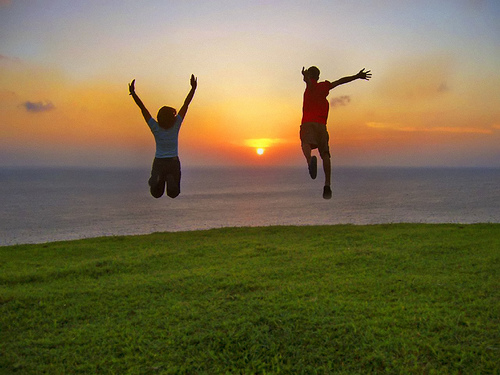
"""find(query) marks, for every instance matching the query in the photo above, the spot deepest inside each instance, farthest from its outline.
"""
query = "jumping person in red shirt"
(313, 132)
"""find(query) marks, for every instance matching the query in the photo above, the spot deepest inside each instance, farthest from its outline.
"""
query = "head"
(166, 117)
(313, 73)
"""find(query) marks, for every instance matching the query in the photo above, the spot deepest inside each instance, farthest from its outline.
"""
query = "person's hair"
(313, 72)
(166, 117)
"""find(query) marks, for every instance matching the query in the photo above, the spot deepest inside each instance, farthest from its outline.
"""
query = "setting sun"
(248, 59)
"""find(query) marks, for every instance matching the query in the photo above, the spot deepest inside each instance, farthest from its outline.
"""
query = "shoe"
(327, 192)
(313, 167)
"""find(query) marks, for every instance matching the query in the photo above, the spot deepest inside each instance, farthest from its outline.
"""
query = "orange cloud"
(418, 78)
(440, 129)
(7, 95)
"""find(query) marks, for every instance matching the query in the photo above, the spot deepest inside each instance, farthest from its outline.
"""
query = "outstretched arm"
(189, 97)
(361, 75)
(145, 112)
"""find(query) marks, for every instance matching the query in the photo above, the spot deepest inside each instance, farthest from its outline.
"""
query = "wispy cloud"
(340, 101)
(9, 61)
(437, 129)
(443, 87)
(36, 107)
(431, 76)
(6, 95)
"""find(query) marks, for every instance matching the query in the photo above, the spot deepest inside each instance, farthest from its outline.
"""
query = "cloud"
(7, 58)
(6, 95)
(437, 129)
(443, 87)
(38, 106)
(9, 63)
(429, 78)
(5, 3)
(340, 101)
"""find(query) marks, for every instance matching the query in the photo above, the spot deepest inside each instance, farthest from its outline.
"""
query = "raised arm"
(361, 75)
(305, 75)
(189, 97)
(145, 112)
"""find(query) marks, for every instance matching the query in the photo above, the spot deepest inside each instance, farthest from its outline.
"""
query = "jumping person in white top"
(166, 165)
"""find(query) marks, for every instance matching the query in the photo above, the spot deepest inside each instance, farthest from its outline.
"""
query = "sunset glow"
(431, 100)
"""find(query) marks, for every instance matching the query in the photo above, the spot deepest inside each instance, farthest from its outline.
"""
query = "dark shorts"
(167, 172)
(316, 135)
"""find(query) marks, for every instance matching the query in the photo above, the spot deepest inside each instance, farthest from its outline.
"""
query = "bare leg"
(327, 168)
(312, 161)
(157, 186)
(306, 149)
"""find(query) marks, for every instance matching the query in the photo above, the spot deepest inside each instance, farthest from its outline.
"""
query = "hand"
(194, 81)
(131, 87)
(304, 71)
(364, 75)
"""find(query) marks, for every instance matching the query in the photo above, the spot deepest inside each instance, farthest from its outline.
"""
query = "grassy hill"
(402, 298)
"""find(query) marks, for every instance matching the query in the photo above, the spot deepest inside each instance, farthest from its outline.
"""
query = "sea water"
(41, 205)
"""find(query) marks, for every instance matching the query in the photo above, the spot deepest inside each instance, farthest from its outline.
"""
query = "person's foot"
(327, 192)
(313, 167)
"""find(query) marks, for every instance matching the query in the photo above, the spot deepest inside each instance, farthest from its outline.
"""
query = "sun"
(260, 151)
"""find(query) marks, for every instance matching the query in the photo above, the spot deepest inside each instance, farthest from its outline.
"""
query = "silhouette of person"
(313, 131)
(166, 167)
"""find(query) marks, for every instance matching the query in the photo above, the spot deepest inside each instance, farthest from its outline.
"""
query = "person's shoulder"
(325, 86)
(178, 120)
(153, 124)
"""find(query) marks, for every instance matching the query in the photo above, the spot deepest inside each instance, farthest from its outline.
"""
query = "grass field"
(397, 299)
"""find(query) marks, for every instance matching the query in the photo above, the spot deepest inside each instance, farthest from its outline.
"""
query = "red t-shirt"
(315, 107)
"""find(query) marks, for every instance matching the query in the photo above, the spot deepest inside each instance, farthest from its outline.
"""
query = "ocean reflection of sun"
(260, 151)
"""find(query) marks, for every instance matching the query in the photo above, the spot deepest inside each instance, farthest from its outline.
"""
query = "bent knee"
(156, 194)
(157, 191)
(173, 194)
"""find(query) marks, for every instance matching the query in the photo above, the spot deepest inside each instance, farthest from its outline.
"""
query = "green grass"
(397, 299)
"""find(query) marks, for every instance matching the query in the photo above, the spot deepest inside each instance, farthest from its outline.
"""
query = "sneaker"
(313, 167)
(327, 192)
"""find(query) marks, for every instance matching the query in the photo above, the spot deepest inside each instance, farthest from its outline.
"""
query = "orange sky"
(433, 99)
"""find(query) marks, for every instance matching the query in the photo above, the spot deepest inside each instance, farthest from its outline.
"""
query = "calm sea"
(41, 205)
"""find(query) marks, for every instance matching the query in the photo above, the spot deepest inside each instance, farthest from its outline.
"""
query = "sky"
(433, 100)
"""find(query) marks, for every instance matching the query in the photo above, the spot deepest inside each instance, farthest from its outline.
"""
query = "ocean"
(52, 204)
